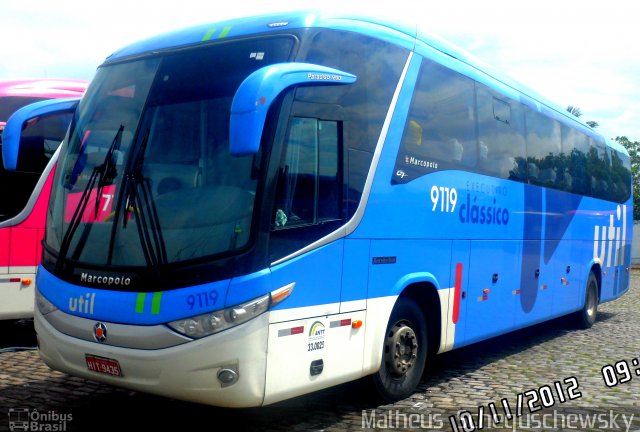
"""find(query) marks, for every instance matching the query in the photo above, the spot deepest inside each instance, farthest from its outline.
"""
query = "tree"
(633, 147)
(576, 111)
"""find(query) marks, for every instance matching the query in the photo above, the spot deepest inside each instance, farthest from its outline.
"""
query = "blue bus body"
(485, 234)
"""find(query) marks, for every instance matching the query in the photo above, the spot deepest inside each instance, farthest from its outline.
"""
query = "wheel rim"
(401, 350)
(592, 304)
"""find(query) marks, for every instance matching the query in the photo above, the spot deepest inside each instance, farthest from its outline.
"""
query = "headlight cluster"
(214, 322)
(44, 305)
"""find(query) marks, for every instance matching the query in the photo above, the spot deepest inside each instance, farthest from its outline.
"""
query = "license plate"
(103, 365)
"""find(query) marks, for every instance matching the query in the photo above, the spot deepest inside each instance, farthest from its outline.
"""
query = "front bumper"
(188, 371)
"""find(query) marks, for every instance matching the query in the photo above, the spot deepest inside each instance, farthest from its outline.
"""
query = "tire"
(404, 352)
(586, 317)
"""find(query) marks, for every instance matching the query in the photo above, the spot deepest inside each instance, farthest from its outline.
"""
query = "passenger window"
(501, 136)
(440, 132)
(572, 176)
(599, 169)
(576, 146)
(594, 169)
(620, 176)
(501, 111)
(544, 148)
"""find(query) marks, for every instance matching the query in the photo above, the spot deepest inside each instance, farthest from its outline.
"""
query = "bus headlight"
(44, 305)
(207, 324)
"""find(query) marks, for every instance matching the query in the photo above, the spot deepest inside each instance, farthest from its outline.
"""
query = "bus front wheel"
(404, 352)
(587, 316)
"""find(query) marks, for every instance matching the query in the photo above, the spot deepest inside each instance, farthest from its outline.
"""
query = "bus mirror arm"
(260, 89)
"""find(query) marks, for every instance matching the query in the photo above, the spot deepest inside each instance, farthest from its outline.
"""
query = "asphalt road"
(553, 366)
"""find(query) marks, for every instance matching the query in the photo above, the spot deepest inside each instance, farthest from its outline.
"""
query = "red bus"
(24, 193)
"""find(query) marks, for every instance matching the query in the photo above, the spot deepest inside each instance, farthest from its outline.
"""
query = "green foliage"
(633, 147)
(574, 110)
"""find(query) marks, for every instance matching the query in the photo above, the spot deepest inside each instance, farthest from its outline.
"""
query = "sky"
(584, 53)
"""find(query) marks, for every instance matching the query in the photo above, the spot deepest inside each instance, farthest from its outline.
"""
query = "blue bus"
(255, 209)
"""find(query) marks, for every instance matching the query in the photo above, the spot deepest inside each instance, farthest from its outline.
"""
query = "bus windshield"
(147, 178)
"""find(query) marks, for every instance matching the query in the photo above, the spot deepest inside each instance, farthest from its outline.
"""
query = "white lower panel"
(378, 313)
(23, 270)
(16, 298)
(447, 327)
(295, 345)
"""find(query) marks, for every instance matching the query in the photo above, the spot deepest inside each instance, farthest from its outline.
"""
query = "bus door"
(308, 206)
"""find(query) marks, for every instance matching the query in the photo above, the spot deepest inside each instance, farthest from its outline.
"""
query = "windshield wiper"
(108, 171)
(104, 174)
(139, 201)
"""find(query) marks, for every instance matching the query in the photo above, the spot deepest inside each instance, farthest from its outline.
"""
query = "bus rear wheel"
(404, 352)
(586, 317)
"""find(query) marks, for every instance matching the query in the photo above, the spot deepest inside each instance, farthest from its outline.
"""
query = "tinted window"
(501, 135)
(574, 175)
(310, 185)
(598, 169)
(620, 176)
(440, 129)
(16, 189)
(575, 147)
(544, 148)
(10, 104)
(175, 171)
(378, 66)
(39, 139)
(514, 141)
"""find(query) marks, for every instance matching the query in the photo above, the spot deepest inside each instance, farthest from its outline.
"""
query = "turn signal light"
(26, 281)
(277, 296)
(356, 324)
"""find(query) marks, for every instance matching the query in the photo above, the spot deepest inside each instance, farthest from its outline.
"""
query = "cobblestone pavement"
(466, 379)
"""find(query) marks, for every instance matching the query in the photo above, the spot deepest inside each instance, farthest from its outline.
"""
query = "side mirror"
(33, 133)
(258, 91)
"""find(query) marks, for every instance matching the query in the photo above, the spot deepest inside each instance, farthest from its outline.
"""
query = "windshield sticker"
(100, 211)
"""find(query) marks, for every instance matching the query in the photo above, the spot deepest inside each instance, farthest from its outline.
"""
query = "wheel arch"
(596, 269)
(420, 287)
(425, 295)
